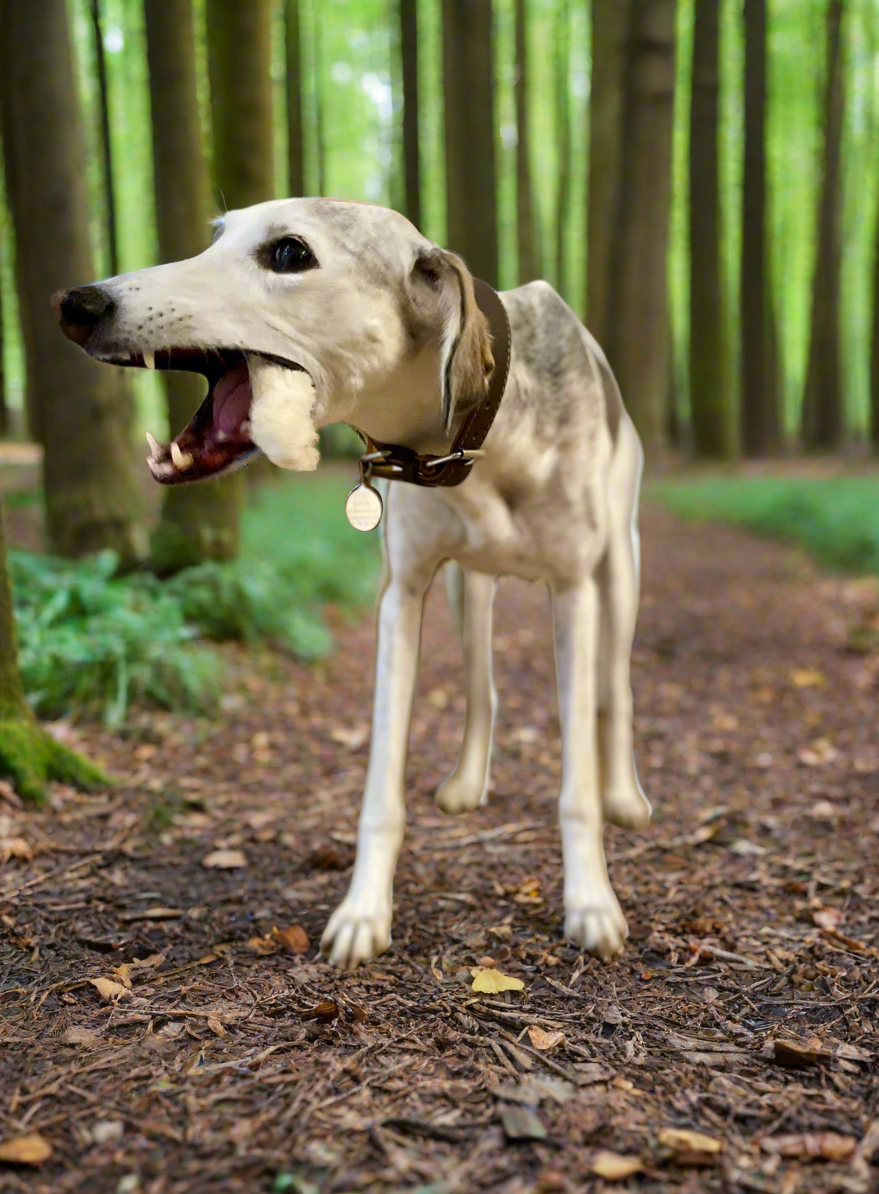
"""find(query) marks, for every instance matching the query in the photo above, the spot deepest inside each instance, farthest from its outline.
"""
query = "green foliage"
(834, 519)
(91, 641)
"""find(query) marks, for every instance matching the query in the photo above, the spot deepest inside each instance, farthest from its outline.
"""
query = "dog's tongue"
(232, 399)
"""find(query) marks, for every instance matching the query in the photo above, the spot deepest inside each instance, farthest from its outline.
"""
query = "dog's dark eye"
(290, 255)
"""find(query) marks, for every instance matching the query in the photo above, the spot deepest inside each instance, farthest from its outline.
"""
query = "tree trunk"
(78, 406)
(106, 146)
(411, 145)
(759, 404)
(823, 415)
(709, 358)
(525, 220)
(610, 28)
(239, 65)
(198, 522)
(468, 87)
(563, 138)
(28, 756)
(874, 355)
(637, 319)
(319, 138)
(295, 140)
(4, 409)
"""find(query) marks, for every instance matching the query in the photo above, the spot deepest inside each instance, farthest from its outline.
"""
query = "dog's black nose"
(80, 311)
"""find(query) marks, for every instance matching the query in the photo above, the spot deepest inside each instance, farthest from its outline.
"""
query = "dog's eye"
(290, 255)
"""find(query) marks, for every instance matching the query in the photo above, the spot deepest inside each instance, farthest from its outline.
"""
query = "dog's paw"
(461, 794)
(627, 807)
(355, 934)
(598, 926)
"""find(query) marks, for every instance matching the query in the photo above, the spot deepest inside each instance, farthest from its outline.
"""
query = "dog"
(307, 312)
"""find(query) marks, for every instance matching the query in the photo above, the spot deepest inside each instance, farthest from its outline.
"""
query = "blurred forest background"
(699, 179)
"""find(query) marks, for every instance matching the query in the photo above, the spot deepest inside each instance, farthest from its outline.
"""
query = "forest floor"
(165, 1025)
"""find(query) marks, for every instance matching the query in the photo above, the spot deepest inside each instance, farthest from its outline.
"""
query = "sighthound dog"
(307, 312)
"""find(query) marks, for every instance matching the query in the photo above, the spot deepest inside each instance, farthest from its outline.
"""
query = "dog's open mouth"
(217, 439)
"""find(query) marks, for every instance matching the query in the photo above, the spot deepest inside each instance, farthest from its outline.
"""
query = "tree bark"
(295, 139)
(637, 322)
(106, 146)
(874, 354)
(198, 522)
(823, 412)
(563, 138)
(525, 216)
(4, 409)
(709, 356)
(610, 30)
(760, 420)
(29, 757)
(411, 134)
(319, 137)
(468, 87)
(239, 65)
(78, 407)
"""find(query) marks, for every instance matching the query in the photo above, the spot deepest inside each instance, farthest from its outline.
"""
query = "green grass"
(835, 519)
(92, 643)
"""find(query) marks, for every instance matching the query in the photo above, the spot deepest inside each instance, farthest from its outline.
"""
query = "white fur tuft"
(281, 415)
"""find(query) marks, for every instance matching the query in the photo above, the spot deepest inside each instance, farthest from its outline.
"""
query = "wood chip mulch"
(165, 1025)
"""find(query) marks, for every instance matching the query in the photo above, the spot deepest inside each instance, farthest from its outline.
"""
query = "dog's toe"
(352, 937)
(599, 928)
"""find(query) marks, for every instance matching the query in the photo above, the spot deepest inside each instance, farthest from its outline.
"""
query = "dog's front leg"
(360, 928)
(593, 918)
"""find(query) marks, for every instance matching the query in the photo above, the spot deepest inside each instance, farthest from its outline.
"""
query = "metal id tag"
(363, 507)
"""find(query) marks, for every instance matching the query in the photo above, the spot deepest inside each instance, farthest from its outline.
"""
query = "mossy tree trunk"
(526, 221)
(709, 355)
(471, 177)
(198, 522)
(295, 137)
(29, 757)
(874, 356)
(411, 135)
(562, 54)
(78, 408)
(610, 26)
(823, 421)
(106, 144)
(637, 320)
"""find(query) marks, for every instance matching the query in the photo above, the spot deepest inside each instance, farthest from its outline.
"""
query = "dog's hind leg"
(360, 928)
(593, 918)
(624, 802)
(472, 596)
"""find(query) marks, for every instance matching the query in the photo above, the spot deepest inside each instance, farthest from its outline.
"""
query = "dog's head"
(302, 312)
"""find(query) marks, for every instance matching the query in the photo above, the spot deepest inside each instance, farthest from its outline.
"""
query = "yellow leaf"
(26, 1150)
(107, 989)
(15, 847)
(544, 1040)
(224, 860)
(123, 973)
(683, 1140)
(614, 1167)
(806, 677)
(489, 981)
(294, 940)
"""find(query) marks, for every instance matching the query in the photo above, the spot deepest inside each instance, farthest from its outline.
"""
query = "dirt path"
(233, 1065)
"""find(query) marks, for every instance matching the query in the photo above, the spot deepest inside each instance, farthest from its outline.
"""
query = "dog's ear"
(466, 359)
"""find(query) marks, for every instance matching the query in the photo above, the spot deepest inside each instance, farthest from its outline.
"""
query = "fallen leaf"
(294, 940)
(853, 1052)
(107, 989)
(821, 752)
(224, 860)
(791, 1053)
(492, 982)
(158, 912)
(350, 737)
(806, 677)
(541, 1039)
(106, 1130)
(150, 962)
(32, 1149)
(521, 1123)
(326, 1010)
(816, 1146)
(262, 945)
(686, 1140)
(612, 1014)
(80, 1036)
(532, 1089)
(215, 1026)
(15, 847)
(828, 918)
(614, 1167)
(123, 973)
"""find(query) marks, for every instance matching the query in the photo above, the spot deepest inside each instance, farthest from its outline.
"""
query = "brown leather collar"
(397, 463)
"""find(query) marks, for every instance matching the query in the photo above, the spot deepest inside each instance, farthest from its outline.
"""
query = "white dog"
(307, 312)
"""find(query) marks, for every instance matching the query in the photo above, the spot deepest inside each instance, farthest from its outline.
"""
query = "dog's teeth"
(149, 359)
(222, 436)
(160, 468)
(182, 460)
(246, 428)
(155, 447)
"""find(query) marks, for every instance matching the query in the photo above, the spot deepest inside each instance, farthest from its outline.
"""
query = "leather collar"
(396, 463)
